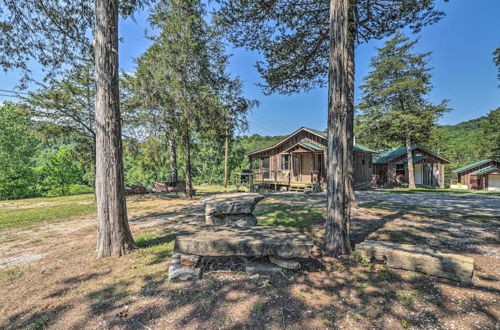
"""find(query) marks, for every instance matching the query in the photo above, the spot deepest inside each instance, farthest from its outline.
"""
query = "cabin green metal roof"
(357, 146)
(386, 155)
(313, 146)
(466, 167)
(360, 147)
(485, 170)
(323, 134)
(415, 159)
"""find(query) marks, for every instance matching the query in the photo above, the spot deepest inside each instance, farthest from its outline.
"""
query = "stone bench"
(248, 242)
(421, 259)
(194, 243)
(233, 209)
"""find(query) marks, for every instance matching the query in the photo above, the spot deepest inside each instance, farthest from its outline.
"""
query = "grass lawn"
(59, 284)
(28, 212)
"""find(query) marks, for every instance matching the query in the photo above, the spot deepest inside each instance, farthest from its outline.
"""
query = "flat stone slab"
(238, 241)
(238, 203)
(239, 220)
(422, 259)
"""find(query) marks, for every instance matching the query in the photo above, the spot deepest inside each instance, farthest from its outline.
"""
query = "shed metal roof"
(466, 167)
(485, 170)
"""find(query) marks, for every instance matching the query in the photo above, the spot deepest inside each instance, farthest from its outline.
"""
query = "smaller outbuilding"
(480, 175)
(390, 168)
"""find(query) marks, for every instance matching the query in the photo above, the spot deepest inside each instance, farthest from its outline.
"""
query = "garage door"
(494, 182)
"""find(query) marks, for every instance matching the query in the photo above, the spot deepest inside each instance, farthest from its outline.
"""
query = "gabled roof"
(313, 146)
(466, 167)
(357, 146)
(385, 156)
(486, 170)
(415, 159)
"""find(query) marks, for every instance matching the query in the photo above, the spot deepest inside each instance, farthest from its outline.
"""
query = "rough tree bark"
(174, 176)
(350, 116)
(187, 146)
(113, 233)
(338, 201)
(409, 156)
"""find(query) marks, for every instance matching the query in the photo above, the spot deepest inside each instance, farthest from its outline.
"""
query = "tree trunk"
(174, 176)
(226, 156)
(187, 148)
(411, 169)
(338, 201)
(350, 116)
(113, 233)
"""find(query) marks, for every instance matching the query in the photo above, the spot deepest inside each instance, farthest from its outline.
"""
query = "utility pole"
(226, 156)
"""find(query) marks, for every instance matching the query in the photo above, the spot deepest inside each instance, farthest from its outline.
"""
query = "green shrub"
(77, 189)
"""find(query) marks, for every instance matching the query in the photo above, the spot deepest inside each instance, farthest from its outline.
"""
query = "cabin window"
(285, 164)
(265, 163)
(400, 170)
(363, 160)
(254, 162)
(370, 161)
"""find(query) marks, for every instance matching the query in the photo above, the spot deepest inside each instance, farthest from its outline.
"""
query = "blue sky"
(463, 72)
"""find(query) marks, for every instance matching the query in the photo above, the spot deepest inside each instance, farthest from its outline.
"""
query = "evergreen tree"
(181, 85)
(489, 145)
(53, 33)
(394, 107)
(496, 60)
(303, 42)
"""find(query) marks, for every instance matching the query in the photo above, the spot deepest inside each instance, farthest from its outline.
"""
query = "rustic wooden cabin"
(299, 161)
(390, 168)
(483, 175)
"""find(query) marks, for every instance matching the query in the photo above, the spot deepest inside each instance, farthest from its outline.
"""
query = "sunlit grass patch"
(155, 247)
(27, 212)
(299, 218)
(217, 188)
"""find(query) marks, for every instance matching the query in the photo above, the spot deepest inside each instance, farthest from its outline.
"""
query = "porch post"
(312, 167)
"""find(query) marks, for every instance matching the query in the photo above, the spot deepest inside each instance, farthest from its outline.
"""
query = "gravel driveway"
(463, 203)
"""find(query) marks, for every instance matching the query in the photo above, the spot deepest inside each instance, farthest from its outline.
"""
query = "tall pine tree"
(299, 41)
(394, 105)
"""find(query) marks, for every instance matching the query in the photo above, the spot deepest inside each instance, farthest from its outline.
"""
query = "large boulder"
(231, 209)
(238, 241)
(418, 258)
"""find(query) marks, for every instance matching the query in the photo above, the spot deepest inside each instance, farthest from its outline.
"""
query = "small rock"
(190, 260)
(255, 277)
(180, 273)
(284, 263)
(261, 268)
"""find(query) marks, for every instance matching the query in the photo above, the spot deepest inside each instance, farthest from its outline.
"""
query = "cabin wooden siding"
(307, 167)
(465, 177)
(385, 174)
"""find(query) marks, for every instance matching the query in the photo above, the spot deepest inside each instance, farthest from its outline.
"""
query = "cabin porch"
(296, 169)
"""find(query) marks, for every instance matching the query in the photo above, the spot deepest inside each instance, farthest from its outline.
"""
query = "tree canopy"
(293, 34)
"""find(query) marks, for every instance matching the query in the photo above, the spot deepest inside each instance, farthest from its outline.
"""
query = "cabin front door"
(419, 174)
(306, 167)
